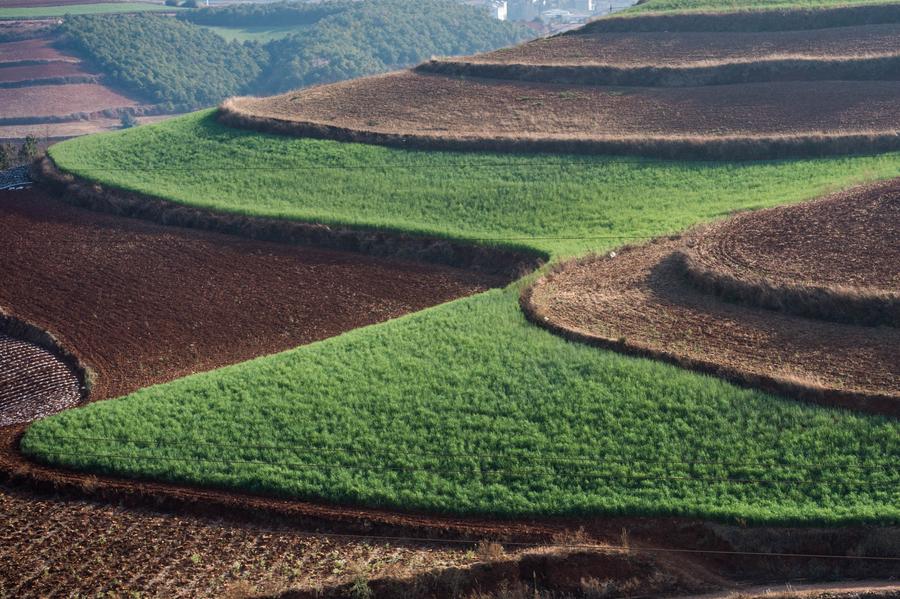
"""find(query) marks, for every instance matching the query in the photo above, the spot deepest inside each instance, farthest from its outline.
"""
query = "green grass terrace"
(466, 408)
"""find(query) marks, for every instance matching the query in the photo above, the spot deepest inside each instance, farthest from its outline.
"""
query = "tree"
(190, 4)
(29, 149)
(7, 156)
(128, 121)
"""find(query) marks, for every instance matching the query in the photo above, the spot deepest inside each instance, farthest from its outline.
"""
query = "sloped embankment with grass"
(467, 408)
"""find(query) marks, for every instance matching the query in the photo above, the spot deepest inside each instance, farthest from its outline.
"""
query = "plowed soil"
(850, 239)
(33, 382)
(697, 48)
(54, 548)
(32, 49)
(60, 100)
(198, 300)
(414, 104)
(42, 71)
(639, 301)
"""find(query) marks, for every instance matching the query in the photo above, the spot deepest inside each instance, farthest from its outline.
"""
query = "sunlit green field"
(33, 12)
(466, 407)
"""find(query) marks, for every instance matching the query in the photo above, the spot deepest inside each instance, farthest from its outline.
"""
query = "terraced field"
(48, 93)
(645, 300)
(693, 91)
(466, 418)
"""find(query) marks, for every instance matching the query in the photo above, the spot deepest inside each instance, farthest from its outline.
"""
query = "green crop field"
(731, 5)
(466, 407)
(37, 12)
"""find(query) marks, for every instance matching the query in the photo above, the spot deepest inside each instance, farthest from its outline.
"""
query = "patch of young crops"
(465, 407)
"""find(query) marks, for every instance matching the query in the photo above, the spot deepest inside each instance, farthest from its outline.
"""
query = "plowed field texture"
(663, 86)
(197, 301)
(467, 407)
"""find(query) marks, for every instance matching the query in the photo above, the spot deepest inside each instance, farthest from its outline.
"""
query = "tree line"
(182, 65)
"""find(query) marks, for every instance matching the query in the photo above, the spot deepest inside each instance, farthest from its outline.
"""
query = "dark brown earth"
(697, 48)
(640, 300)
(142, 304)
(416, 108)
(33, 382)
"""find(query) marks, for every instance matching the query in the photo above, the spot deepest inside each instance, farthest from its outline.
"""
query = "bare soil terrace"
(656, 48)
(53, 100)
(640, 301)
(47, 70)
(835, 258)
(200, 300)
(415, 109)
(32, 49)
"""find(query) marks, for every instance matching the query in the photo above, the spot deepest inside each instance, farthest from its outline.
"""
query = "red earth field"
(42, 71)
(199, 300)
(60, 100)
(696, 47)
(410, 107)
(32, 49)
(639, 300)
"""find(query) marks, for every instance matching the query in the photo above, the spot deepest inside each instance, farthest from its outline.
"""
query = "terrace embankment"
(682, 59)
(410, 109)
(747, 85)
(639, 300)
(834, 259)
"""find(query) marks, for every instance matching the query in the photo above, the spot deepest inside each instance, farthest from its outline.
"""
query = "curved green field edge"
(466, 408)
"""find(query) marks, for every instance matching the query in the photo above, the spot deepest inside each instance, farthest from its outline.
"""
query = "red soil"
(32, 49)
(198, 300)
(445, 110)
(41, 71)
(50, 100)
(850, 239)
(639, 301)
(697, 48)
(33, 382)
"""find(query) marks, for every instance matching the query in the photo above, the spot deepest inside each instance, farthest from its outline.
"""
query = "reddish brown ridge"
(411, 109)
(638, 300)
